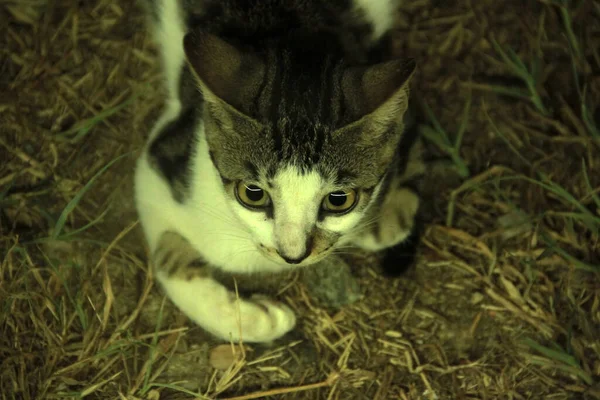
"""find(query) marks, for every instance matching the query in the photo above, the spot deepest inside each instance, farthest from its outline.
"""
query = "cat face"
(299, 206)
(301, 141)
(297, 216)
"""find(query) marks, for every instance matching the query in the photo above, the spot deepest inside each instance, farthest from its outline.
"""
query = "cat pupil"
(254, 193)
(338, 199)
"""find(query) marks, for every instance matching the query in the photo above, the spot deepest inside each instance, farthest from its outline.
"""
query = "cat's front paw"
(188, 281)
(263, 319)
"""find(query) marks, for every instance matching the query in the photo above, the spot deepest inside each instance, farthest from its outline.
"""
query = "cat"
(281, 141)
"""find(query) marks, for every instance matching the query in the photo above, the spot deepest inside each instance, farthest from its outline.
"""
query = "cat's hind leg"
(188, 283)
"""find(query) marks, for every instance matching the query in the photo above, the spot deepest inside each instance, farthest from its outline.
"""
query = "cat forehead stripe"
(300, 107)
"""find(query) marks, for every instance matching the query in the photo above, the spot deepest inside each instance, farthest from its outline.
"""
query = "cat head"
(300, 139)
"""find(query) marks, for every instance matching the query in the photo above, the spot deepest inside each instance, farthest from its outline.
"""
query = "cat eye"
(252, 196)
(340, 202)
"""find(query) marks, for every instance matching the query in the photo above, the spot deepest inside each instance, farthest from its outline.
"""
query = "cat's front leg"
(394, 221)
(187, 281)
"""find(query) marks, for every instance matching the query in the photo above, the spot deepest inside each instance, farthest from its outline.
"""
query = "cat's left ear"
(228, 72)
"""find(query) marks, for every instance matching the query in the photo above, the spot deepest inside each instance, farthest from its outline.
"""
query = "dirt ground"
(504, 299)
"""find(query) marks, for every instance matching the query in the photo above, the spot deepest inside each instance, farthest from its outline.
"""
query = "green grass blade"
(505, 139)
(566, 361)
(463, 123)
(501, 90)
(83, 128)
(558, 355)
(436, 125)
(502, 54)
(76, 303)
(589, 121)
(463, 169)
(9, 186)
(154, 344)
(62, 219)
(430, 134)
(588, 184)
(558, 190)
(575, 216)
(577, 263)
(74, 233)
(569, 370)
(571, 37)
(510, 91)
(520, 67)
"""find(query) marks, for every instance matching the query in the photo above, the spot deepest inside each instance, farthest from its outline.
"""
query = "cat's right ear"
(379, 91)
(222, 69)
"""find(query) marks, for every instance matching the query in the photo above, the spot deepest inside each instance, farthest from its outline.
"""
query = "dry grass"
(503, 304)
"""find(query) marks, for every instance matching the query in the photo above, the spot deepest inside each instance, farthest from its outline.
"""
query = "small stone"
(153, 395)
(223, 356)
(476, 298)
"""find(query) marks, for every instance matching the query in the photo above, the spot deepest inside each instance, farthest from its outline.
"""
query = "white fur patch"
(297, 199)
(169, 33)
(380, 13)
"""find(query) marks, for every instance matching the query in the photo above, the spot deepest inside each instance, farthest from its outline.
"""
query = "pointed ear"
(380, 90)
(229, 73)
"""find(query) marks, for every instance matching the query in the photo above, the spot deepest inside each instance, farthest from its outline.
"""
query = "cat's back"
(357, 24)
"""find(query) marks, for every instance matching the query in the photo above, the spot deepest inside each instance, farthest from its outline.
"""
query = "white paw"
(262, 320)
(213, 307)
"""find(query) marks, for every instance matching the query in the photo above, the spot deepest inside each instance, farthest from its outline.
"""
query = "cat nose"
(292, 244)
(291, 260)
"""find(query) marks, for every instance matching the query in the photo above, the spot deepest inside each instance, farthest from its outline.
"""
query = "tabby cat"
(281, 142)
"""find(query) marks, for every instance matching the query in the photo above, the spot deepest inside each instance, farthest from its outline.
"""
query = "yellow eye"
(340, 201)
(252, 196)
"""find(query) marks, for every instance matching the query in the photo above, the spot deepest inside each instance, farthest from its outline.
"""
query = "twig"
(257, 395)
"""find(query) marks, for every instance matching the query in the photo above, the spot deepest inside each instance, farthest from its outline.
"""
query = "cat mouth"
(307, 258)
(294, 260)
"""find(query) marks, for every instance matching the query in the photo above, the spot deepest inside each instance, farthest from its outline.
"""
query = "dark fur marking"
(173, 147)
(165, 259)
(409, 137)
(211, 154)
(414, 184)
(252, 170)
(344, 177)
(275, 100)
(176, 256)
(270, 212)
(401, 257)
(171, 152)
